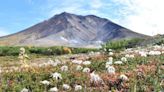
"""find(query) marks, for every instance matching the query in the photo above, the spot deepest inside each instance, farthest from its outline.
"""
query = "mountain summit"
(67, 29)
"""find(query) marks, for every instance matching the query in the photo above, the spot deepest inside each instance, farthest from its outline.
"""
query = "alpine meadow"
(93, 46)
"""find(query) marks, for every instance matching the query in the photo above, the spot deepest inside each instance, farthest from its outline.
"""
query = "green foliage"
(46, 51)
(116, 44)
(14, 51)
(122, 44)
(82, 50)
(160, 42)
(98, 65)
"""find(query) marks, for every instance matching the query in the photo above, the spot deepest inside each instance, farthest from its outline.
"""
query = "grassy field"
(144, 74)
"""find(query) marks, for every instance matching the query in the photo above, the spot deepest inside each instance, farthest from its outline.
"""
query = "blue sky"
(143, 16)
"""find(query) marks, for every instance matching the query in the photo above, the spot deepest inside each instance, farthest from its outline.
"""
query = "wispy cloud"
(143, 16)
(76, 6)
(96, 4)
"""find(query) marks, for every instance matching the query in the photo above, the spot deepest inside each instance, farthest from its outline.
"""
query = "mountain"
(67, 29)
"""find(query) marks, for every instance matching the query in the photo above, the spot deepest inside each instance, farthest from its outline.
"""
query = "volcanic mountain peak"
(70, 30)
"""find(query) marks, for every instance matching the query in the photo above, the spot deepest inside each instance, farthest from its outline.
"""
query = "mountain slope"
(70, 30)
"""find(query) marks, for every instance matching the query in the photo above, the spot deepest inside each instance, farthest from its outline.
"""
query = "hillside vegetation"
(116, 67)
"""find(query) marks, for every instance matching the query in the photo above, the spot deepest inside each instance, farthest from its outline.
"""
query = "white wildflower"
(132, 56)
(64, 68)
(110, 59)
(110, 62)
(24, 90)
(154, 53)
(162, 83)
(156, 47)
(57, 61)
(86, 70)
(110, 50)
(118, 62)
(57, 76)
(26, 56)
(97, 53)
(23, 56)
(79, 67)
(111, 53)
(129, 56)
(124, 59)
(54, 89)
(143, 54)
(78, 87)
(162, 52)
(54, 63)
(111, 70)
(123, 77)
(91, 53)
(105, 49)
(50, 60)
(22, 50)
(77, 61)
(42, 65)
(45, 82)
(95, 78)
(64, 62)
(86, 62)
(66, 87)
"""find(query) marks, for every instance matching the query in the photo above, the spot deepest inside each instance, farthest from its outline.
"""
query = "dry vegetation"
(129, 70)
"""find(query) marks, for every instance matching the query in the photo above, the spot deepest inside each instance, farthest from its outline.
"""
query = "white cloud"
(143, 16)
(96, 4)
(76, 6)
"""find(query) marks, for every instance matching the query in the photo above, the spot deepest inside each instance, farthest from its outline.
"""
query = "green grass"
(15, 81)
(149, 80)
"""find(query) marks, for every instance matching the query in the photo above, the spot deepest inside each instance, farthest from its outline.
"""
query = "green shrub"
(9, 51)
(122, 44)
(56, 50)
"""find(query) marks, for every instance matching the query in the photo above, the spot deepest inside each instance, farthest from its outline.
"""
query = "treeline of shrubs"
(160, 42)
(122, 44)
(59, 50)
(14, 51)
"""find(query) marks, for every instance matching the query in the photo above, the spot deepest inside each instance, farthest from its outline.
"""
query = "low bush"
(14, 51)
(122, 44)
